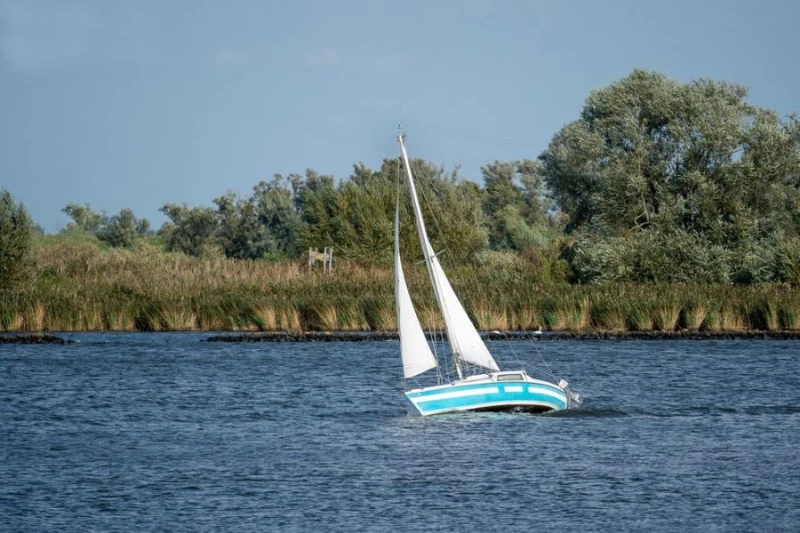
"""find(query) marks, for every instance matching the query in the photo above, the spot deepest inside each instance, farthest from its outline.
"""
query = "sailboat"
(481, 385)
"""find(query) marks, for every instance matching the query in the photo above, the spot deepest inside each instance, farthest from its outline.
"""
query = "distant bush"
(123, 230)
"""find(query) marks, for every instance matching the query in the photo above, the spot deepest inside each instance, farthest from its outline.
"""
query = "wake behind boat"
(493, 391)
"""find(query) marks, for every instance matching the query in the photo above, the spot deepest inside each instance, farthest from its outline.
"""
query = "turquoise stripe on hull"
(488, 395)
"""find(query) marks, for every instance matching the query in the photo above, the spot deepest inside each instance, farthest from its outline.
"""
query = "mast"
(465, 341)
(429, 256)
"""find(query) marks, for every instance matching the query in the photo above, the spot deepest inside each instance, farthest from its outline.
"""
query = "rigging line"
(432, 208)
(511, 346)
(432, 340)
(541, 357)
(460, 256)
(432, 213)
(421, 192)
(442, 309)
(433, 331)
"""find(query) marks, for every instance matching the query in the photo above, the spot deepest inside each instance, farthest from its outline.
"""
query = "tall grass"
(79, 286)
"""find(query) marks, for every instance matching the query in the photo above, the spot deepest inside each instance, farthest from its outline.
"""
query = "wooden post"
(329, 259)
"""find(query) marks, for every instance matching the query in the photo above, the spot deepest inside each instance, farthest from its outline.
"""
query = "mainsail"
(414, 349)
(462, 335)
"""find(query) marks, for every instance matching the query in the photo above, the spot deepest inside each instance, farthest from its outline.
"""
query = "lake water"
(162, 432)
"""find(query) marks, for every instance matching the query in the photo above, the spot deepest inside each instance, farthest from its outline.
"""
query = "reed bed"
(78, 286)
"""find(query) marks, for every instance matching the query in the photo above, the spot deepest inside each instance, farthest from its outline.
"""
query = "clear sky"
(136, 104)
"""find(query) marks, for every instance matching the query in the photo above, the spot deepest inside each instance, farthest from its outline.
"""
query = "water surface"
(162, 432)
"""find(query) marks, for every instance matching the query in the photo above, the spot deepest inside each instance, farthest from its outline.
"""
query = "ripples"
(753, 410)
(163, 432)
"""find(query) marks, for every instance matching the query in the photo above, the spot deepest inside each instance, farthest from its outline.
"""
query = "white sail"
(464, 339)
(414, 349)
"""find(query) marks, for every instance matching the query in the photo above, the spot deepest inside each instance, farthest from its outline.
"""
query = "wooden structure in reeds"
(325, 257)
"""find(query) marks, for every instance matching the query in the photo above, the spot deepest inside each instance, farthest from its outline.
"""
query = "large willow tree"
(668, 181)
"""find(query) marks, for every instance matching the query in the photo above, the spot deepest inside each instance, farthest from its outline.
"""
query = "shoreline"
(33, 338)
(373, 336)
(358, 336)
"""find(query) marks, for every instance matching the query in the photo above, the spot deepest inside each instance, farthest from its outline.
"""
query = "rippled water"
(161, 432)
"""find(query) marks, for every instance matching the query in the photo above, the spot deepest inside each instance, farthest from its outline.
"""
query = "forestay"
(462, 335)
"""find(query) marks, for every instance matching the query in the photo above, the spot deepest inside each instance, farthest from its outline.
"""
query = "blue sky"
(137, 104)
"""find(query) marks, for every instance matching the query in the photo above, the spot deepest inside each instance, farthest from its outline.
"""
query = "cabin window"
(509, 377)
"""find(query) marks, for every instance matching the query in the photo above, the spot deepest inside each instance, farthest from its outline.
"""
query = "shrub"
(15, 243)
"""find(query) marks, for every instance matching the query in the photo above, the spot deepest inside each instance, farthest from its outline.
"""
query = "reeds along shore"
(79, 287)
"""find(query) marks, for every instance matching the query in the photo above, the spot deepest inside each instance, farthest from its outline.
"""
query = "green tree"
(16, 229)
(123, 230)
(192, 231)
(451, 206)
(265, 226)
(518, 209)
(649, 154)
(503, 203)
(539, 205)
(357, 216)
(84, 219)
(279, 223)
(316, 203)
(233, 214)
(353, 218)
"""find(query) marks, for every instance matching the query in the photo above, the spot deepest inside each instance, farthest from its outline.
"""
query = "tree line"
(654, 181)
(289, 214)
